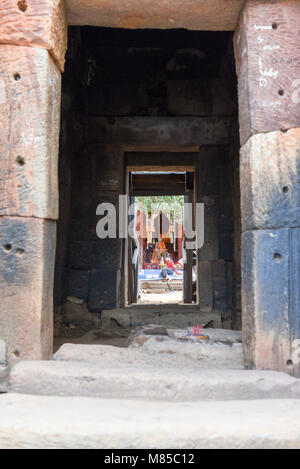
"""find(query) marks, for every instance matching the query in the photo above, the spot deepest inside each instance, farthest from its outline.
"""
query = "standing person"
(170, 267)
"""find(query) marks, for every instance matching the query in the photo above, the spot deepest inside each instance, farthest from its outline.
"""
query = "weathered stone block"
(104, 290)
(270, 298)
(268, 66)
(30, 108)
(27, 251)
(219, 15)
(36, 23)
(270, 180)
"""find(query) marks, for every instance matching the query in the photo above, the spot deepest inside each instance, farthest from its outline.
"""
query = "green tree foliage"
(168, 204)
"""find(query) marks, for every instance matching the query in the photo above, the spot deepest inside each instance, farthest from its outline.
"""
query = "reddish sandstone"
(30, 85)
(35, 23)
(267, 50)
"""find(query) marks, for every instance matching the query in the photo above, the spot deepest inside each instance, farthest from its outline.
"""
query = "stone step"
(153, 383)
(42, 422)
(159, 351)
(176, 315)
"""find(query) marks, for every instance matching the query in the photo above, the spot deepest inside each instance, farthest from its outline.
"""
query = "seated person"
(170, 267)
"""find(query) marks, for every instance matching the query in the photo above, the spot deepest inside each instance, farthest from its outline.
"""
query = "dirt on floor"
(168, 297)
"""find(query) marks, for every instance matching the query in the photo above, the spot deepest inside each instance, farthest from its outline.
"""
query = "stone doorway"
(146, 99)
(33, 52)
(160, 268)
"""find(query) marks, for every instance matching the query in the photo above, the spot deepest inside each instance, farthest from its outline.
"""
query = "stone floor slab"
(159, 351)
(79, 422)
(65, 378)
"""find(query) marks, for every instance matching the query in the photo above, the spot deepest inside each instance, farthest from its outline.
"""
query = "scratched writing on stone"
(262, 27)
(267, 72)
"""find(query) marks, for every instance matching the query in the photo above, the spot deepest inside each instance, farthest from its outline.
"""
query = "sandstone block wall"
(33, 41)
(267, 63)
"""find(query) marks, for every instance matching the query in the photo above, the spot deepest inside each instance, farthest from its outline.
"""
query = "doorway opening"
(160, 260)
(146, 101)
(160, 268)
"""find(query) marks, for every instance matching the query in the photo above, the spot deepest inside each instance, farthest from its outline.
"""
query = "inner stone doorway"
(160, 267)
(130, 96)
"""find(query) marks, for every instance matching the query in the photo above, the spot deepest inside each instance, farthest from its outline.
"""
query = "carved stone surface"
(267, 50)
(27, 250)
(270, 299)
(29, 120)
(270, 180)
(36, 23)
(219, 15)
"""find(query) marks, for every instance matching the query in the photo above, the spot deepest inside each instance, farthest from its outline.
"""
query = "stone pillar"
(268, 68)
(33, 39)
(107, 163)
